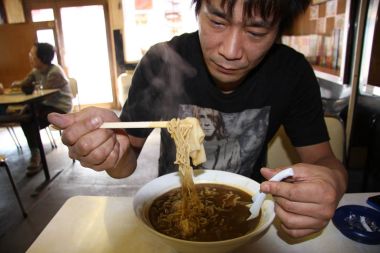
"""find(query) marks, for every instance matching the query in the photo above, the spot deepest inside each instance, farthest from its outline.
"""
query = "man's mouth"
(227, 69)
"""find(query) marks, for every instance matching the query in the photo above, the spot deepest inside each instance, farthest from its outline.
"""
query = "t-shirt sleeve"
(305, 123)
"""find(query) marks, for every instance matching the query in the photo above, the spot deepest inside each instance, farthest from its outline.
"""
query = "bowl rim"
(268, 204)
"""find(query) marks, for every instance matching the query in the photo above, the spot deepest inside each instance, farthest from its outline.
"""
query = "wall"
(15, 43)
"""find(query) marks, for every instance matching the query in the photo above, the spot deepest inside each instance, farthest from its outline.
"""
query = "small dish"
(359, 223)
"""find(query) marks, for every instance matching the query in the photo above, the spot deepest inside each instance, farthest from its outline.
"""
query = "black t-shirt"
(172, 81)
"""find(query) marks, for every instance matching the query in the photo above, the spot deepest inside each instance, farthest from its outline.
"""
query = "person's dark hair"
(283, 11)
(45, 52)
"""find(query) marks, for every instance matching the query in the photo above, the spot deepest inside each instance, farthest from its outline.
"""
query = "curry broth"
(224, 217)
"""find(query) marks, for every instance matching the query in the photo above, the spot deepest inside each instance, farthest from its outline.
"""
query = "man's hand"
(306, 203)
(96, 148)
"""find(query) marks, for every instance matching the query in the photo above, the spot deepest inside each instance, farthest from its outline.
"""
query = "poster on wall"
(147, 22)
(321, 25)
(339, 21)
(143, 4)
(314, 12)
(331, 8)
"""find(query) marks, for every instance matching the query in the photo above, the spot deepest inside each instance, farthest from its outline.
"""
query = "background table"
(108, 224)
(36, 97)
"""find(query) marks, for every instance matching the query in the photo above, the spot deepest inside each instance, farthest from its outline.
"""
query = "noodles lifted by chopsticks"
(188, 137)
(201, 212)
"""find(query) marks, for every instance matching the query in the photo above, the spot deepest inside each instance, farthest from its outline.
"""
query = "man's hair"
(283, 11)
(45, 52)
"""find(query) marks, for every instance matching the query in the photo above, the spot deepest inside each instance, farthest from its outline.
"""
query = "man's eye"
(257, 34)
(216, 22)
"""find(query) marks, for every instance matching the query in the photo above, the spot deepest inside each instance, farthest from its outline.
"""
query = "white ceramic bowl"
(149, 192)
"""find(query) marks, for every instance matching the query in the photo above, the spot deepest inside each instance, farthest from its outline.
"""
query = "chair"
(282, 153)
(4, 164)
(337, 134)
(9, 121)
(13, 118)
(74, 90)
(124, 81)
(50, 137)
(12, 133)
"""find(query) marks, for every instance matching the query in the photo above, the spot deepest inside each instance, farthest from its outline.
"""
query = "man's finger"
(306, 209)
(60, 121)
(298, 233)
(307, 192)
(72, 134)
(269, 173)
(301, 171)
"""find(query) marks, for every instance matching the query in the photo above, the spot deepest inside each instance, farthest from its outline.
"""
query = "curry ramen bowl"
(224, 227)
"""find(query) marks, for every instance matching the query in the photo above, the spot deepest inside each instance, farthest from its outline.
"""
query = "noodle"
(188, 137)
(224, 214)
(202, 212)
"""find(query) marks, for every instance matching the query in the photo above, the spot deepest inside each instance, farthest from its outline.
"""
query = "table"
(108, 224)
(32, 100)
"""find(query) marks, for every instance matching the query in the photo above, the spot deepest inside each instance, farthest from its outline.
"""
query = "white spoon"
(259, 198)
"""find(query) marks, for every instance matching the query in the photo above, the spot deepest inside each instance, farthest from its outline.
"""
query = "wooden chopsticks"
(140, 124)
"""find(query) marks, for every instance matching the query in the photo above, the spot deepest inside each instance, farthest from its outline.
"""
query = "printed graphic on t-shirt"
(233, 141)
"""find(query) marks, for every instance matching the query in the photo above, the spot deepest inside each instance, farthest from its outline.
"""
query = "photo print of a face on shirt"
(233, 141)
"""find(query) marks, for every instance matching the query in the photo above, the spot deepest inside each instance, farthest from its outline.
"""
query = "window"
(86, 52)
(370, 62)
(41, 15)
(47, 36)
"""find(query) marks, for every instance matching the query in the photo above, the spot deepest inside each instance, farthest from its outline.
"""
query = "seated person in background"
(47, 76)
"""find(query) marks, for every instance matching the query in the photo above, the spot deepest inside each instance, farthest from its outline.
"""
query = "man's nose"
(231, 47)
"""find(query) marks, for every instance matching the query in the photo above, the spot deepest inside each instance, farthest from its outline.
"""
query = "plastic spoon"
(259, 198)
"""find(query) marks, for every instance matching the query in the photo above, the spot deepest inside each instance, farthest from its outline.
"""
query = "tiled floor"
(69, 179)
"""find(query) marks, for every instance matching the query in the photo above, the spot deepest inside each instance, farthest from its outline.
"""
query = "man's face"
(232, 46)
(35, 62)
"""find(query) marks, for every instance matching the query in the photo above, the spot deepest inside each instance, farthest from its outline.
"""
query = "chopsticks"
(140, 124)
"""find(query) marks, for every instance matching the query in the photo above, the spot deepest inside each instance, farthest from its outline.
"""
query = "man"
(233, 65)
(47, 76)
